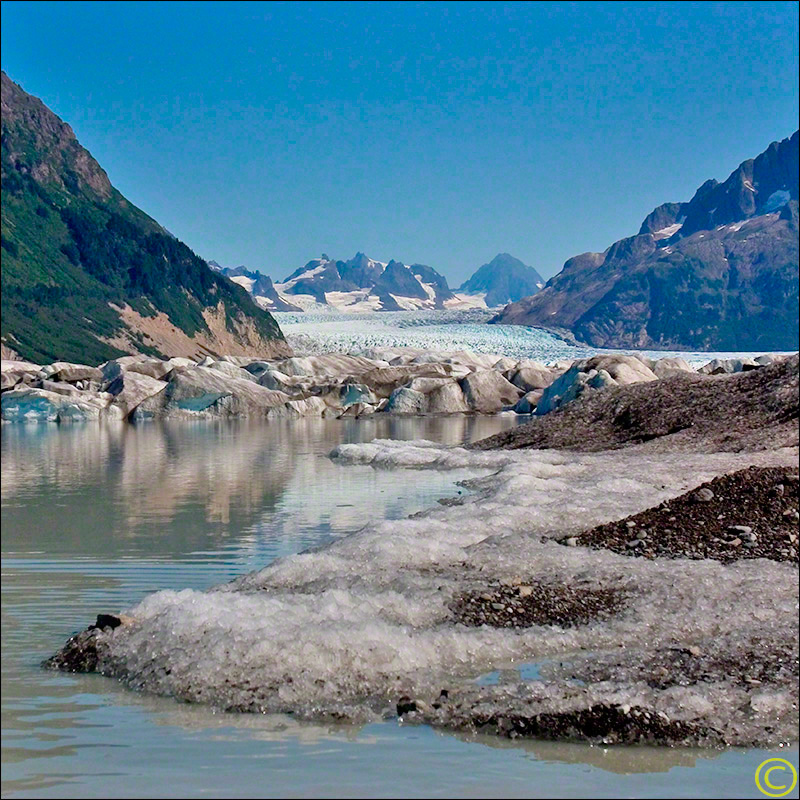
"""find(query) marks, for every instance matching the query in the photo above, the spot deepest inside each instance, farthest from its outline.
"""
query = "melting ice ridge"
(344, 630)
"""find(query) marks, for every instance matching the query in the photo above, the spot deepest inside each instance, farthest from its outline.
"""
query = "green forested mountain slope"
(86, 275)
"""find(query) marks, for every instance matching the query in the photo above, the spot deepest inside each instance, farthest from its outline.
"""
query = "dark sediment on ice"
(523, 605)
(754, 410)
(752, 513)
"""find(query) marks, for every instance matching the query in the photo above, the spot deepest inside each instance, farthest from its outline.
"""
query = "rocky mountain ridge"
(717, 272)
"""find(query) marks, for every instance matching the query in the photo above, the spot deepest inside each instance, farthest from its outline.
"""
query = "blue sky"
(267, 133)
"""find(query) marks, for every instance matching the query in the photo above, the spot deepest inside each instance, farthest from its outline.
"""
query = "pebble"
(498, 607)
(635, 543)
(734, 542)
(703, 495)
(571, 542)
(630, 523)
(740, 529)
(525, 591)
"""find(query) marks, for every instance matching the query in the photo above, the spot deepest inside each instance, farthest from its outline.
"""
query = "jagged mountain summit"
(504, 279)
(87, 276)
(364, 284)
(717, 272)
(260, 286)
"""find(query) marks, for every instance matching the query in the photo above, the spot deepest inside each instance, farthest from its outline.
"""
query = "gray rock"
(488, 391)
(447, 399)
(406, 401)
(38, 405)
(528, 402)
(529, 378)
(130, 389)
(206, 392)
(65, 371)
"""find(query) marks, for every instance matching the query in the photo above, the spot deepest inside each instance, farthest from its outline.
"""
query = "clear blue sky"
(267, 133)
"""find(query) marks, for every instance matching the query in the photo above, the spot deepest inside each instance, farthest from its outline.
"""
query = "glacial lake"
(96, 517)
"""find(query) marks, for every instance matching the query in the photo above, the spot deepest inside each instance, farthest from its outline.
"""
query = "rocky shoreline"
(400, 381)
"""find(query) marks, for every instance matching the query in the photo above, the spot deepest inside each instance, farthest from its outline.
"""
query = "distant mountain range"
(363, 284)
(260, 287)
(87, 276)
(719, 272)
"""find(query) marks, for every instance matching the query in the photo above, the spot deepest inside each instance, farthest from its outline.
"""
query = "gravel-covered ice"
(345, 630)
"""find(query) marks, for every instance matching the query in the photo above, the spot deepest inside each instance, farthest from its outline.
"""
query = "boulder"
(130, 389)
(228, 368)
(39, 405)
(623, 369)
(307, 407)
(69, 373)
(207, 392)
(406, 401)
(528, 402)
(488, 391)
(66, 389)
(333, 365)
(145, 365)
(15, 372)
(769, 358)
(563, 389)
(529, 378)
(610, 369)
(728, 366)
(428, 385)
(384, 380)
(447, 399)
(504, 364)
(358, 410)
(664, 367)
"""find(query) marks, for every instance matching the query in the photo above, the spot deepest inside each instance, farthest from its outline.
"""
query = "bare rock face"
(58, 274)
(488, 391)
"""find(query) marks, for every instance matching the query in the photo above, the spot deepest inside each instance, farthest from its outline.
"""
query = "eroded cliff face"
(718, 272)
(87, 275)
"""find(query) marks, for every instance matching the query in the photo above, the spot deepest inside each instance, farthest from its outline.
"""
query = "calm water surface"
(96, 517)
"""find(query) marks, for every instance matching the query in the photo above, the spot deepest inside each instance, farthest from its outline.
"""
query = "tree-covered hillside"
(75, 251)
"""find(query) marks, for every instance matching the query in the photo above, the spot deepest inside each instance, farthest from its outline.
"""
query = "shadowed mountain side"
(718, 272)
